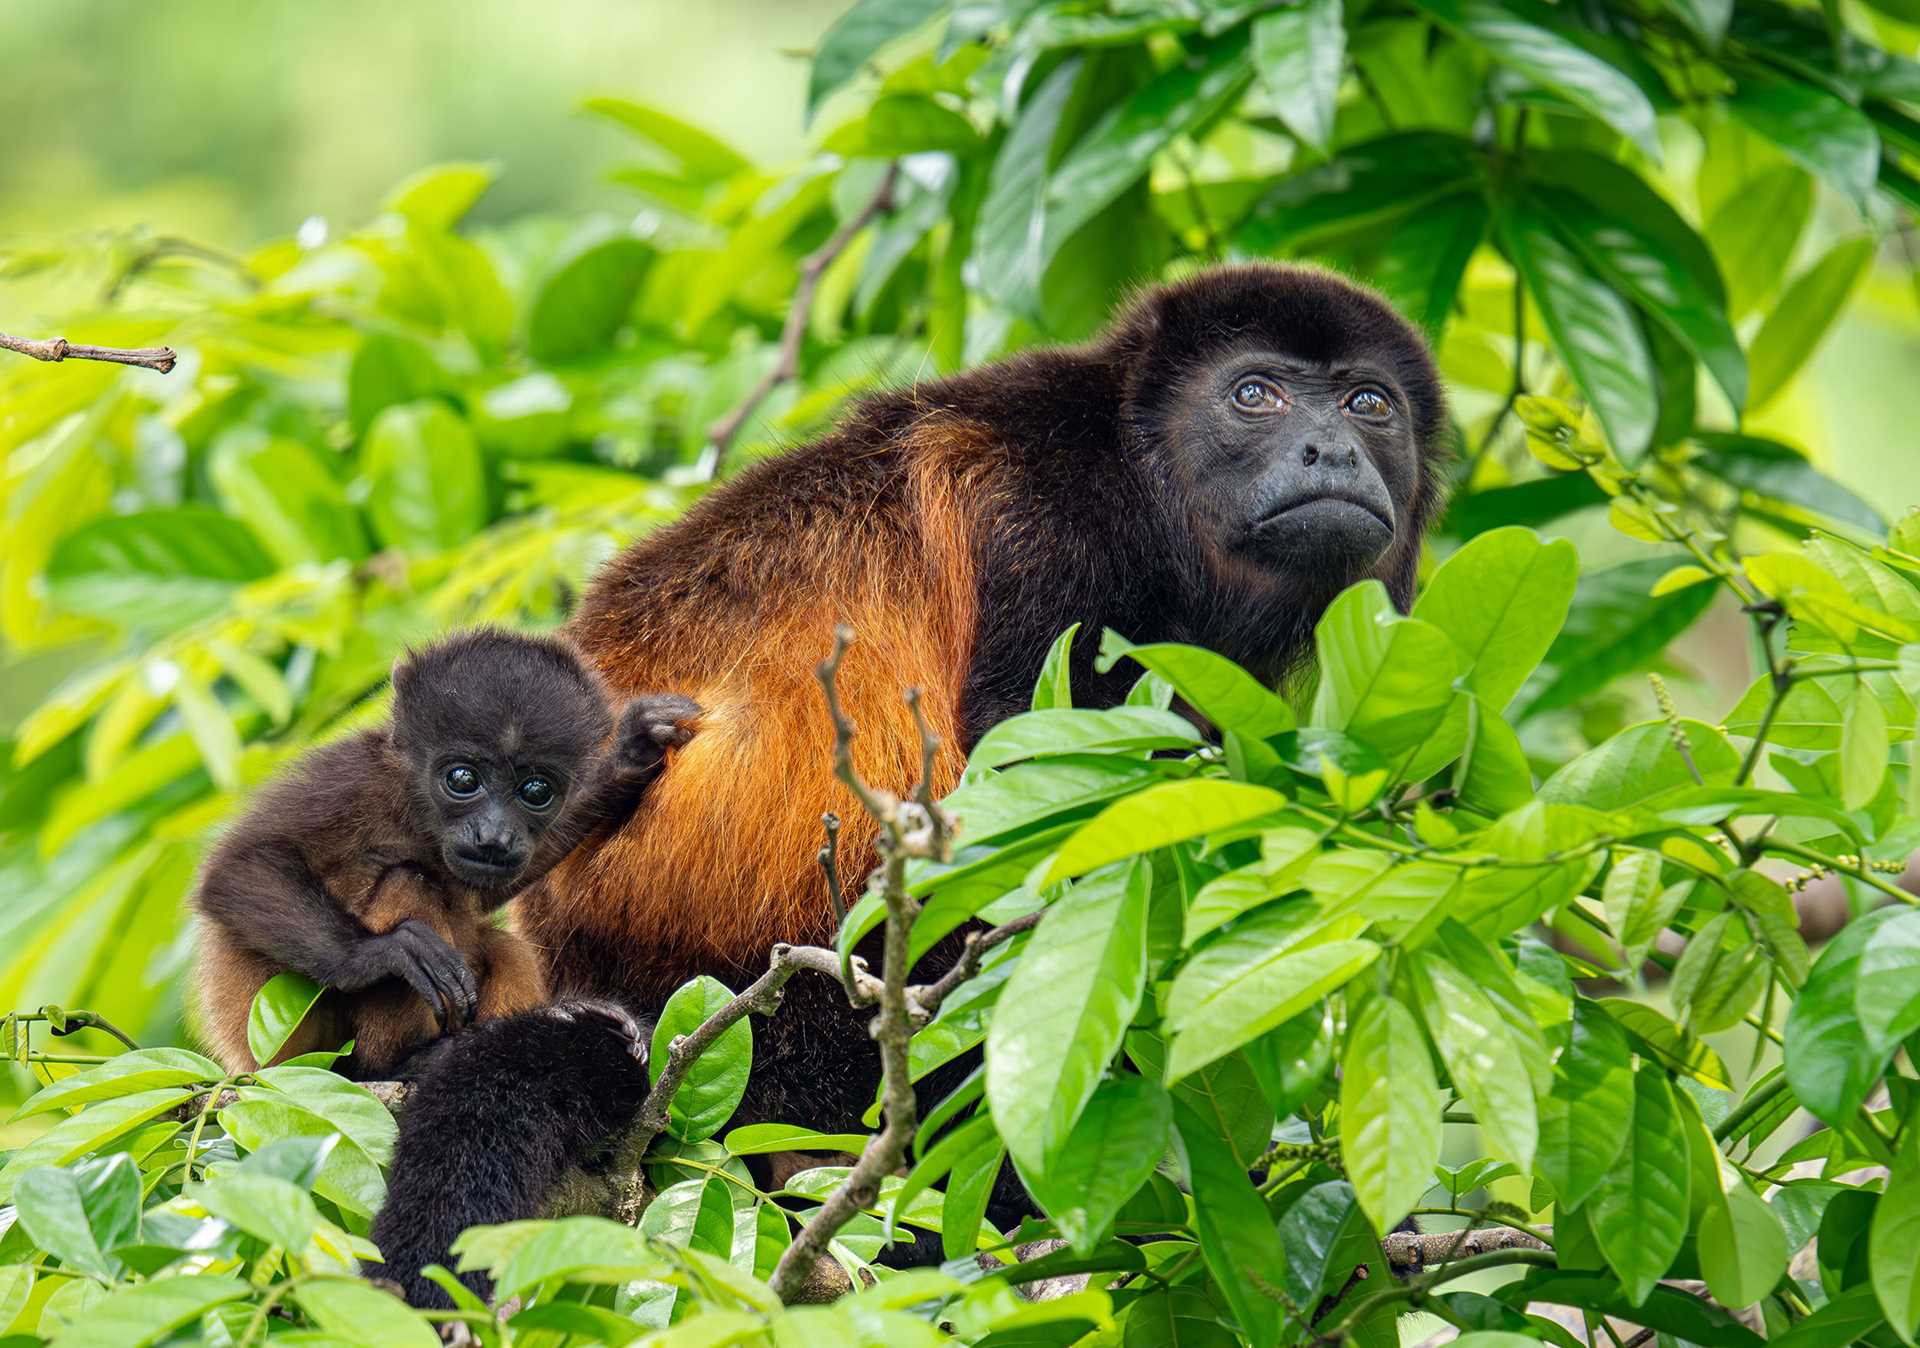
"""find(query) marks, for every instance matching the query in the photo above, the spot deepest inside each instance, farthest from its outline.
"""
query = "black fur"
(497, 1115)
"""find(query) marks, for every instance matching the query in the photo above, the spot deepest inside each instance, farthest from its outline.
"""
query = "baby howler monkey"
(376, 864)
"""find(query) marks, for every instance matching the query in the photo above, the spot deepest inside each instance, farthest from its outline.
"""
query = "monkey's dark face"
(1295, 466)
(491, 808)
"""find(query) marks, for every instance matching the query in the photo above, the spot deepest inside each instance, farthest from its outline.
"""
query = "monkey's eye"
(1256, 395)
(1370, 403)
(537, 792)
(462, 781)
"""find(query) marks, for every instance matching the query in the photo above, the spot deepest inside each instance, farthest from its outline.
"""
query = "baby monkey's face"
(491, 811)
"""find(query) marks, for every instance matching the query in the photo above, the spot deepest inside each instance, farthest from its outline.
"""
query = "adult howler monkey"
(1233, 451)
(375, 865)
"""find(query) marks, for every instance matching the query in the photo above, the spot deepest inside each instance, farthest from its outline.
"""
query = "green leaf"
(1707, 18)
(1482, 1056)
(90, 1130)
(1783, 477)
(1741, 1243)
(1893, 1243)
(1887, 984)
(276, 1210)
(1291, 1060)
(1167, 812)
(1719, 976)
(757, 1139)
(1228, 696)
(585, 298)
(1011, 256)
(1040, 734)
(1754, 233)
(1300, 53)
(1831, 1063)
(969, 1186)
(149, 1313)
(1064, 1010)
(1107, 1157)
(426, 490)
(350, 1177)
(276, 1012)
(1232, 993)
(1667, 1043)
(140, 1070)
(1800, 318)
(1226, 1092)
(1527, 36)
(1817, 129)
(1614, 627)
(1003, 804)
(1864, 749)
(1054, 688)
(715, 1083)
(1637, 906)
(155, 568)
(1594, 330)
(1389, 1112)
(586, 1249)
(286, 494)
(1639, 1211)
(1384, 679)
(1374, 183)
(1501, 599)
(1585, 1117)
(1237, 1237)
(1420, 273)
(700, 156)
(361, 1313)
(80, 1214)
(856, 36)
(438, 197)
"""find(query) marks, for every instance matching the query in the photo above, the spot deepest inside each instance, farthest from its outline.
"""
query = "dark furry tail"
(497, 1115)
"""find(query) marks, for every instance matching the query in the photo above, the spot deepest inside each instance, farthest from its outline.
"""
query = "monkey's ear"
(403, 672)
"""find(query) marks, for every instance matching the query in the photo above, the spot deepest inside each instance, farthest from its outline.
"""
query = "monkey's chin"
(483, 876)
(1327, 542)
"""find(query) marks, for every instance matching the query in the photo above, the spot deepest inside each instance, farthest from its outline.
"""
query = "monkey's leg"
(497, 1116)
(515, 977)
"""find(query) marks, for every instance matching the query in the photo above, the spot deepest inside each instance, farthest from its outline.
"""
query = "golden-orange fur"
(728, 841)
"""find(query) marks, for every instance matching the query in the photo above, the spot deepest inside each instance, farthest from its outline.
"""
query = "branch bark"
(56, 349)
(720, 436)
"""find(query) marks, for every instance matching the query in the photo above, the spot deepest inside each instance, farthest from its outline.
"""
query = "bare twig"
(720, 435)
(895, 1024)
(57, 349)
(170, 247)
(925, 999)
(829, 859)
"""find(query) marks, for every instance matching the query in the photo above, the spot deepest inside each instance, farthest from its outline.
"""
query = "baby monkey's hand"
(651, 724)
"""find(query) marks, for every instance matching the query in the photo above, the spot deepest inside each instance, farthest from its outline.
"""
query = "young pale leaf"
(1639, 1211)
(1482, 1056)
(1240, 987)
(1064, 1011)
(1501, 599)
(359, 1312)
(277, 1010)
(426, 487)
(1384, 679)
(1062, 730)
(1893, 1245)
(1742, 1246)
(1110, 1153)
(1300, 52)
(1585, 1118)
(150, 1312)
(1637, 908)
(1168, 812)
(1796, 323)
(1054, 688)
(1719, 976)
(1212, 685)
(1389, 1112)
(141, 1070)
(713, 1086)
(1658, 1037)
(1237, 1236)
(90, 1130)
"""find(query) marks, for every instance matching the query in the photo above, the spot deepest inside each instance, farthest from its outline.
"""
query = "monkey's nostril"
(1310, 455)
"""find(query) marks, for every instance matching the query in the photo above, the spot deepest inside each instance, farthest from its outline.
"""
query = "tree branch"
(56, 349)
(720, 435)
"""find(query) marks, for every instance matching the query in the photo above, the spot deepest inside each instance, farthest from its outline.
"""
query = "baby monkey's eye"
(1256, 395)
(462, 780)
(537, 792)
(1368, 402)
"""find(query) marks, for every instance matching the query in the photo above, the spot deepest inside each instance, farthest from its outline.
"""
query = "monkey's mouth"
(484, 871)
(1323, 512)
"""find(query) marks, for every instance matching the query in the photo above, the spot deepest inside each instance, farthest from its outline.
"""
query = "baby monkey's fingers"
(434, 970)
(656, 721)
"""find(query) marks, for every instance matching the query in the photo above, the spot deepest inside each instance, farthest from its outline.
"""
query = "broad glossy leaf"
(1065, 1009)
(388, 370)
(1226, 1092)
(276, 1012)
(1167, 812)
(856, 36)
(286, 494)
(1292, 1060)
(1389, 1112)
(155, 568)
(1614, 627)
(1893, 1245)
(1211, 684)
(1526, 35)
(1300, 53)
(90, 1130)
(716, 1081)
(1367, 184)
(1054, 688)
(1594, 330)
(1754, 233)
(1040, 734)
(149, 1312)
(586, 297)
(274, 1209)
(1010, 234)
(756, 1139)
(359, 1312)
(969, 1186)
(1659, 1038)
(1483, 1058)
(1384, 679)
(80, 1214)
(426, 490)
(1637, 905)
(350, 1177)
(1639, 1211)
(1864, 749)
(1800, 318)
(1782, 475)
(1817, 129)
(1109, 1154)
(1012, 802)
(1887, 982)
(140, 1070)
(1585, 1118)
(1420, 272)
(1501, 599)
(1831, 1063)
(1237, 1237)
(1741, 1243)
(701, 156)
(1719, 976)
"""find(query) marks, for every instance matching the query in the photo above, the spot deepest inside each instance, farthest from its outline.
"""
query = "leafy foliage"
(1281, 977)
